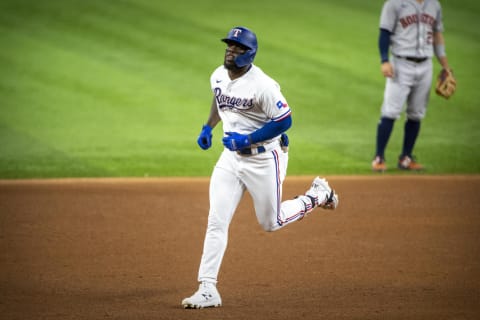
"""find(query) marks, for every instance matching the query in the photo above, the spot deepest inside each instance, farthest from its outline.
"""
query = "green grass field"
(121, 88)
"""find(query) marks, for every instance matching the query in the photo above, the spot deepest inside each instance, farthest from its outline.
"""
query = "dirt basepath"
(398, 247)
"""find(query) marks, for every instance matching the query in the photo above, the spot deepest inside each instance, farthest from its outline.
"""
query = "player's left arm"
(446, 82)
(275, 127)
(271, 129)
(439, 48)
(276, 108)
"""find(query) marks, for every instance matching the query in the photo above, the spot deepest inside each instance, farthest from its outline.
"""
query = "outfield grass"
(121, 88)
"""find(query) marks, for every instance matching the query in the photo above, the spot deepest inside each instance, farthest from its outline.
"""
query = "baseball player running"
(413, 29)
(255, 116)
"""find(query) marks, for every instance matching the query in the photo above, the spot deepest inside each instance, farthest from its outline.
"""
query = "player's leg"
(411, 131)
(384, 131)
(396, 92)
(226, 191)
(416, 109)
(395, 96)
(225, 194)
(264, 182)
(263, 176)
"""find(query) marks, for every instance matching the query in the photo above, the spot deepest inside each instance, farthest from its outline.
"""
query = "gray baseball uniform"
(412, 25)
(409, 28)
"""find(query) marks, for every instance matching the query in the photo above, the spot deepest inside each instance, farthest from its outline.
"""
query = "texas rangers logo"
(237, 32)
(281, 104)
(231, 103)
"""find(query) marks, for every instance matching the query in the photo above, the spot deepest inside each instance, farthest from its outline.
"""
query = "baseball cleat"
(324, 196)
(378, 164)
(332, 201)
(409, 163)
(207, 296)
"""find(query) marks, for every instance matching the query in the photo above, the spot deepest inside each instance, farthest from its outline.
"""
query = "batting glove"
(205, 138)
(235, 141)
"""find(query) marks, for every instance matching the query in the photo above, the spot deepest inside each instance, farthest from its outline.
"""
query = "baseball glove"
(446, 84)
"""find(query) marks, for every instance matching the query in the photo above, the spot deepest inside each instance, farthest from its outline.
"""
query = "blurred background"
(121, 88)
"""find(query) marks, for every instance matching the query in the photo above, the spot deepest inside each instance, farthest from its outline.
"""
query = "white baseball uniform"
(245, 105)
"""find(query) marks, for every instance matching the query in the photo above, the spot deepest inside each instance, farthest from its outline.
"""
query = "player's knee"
(415, 116)
(269, 226)
(215, 223)
(393, 115)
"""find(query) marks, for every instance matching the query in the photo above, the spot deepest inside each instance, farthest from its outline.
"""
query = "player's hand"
(205, 138)
(387, 69)
(235, 141)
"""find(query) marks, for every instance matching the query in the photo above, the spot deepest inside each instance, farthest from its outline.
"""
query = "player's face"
(233, 50)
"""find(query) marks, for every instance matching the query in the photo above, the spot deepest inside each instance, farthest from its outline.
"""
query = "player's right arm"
(204, 140)
(214, 116)
(383, 45)
(387, 26)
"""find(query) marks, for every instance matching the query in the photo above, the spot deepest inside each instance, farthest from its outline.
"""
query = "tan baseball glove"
(446, 84)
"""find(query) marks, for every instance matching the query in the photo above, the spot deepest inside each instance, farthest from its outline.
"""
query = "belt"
(414, 59)
(259, 149)
(256, 150)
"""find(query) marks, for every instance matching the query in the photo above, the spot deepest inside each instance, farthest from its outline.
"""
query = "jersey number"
(429, 37)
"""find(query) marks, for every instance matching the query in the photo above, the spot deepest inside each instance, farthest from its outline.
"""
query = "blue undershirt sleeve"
(271, 130)
(384, 44)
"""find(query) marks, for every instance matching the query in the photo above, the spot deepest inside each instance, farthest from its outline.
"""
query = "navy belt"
(414, 59)
(256, 150)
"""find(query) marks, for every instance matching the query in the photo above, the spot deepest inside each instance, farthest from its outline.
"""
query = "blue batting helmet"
(246, 38)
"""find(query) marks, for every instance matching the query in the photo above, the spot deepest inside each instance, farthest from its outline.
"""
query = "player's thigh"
(225, 192)
(394, 99)
(264, 183)
(397, 89)
(419, 98)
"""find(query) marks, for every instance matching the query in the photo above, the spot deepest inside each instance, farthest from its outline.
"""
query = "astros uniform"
(412, 25)
(412, 30)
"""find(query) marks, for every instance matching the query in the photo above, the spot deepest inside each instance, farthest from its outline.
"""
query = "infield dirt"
(398, 247)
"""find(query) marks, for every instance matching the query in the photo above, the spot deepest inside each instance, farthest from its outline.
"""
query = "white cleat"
(206, 296)
(325, 197)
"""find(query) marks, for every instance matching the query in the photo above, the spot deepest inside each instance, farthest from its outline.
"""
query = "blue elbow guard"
(271, 129)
